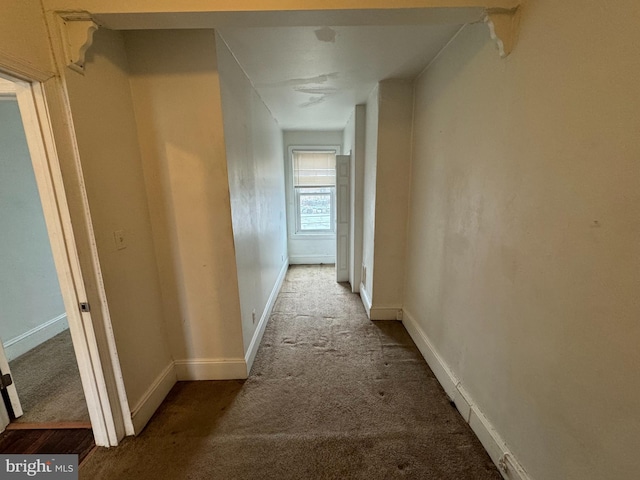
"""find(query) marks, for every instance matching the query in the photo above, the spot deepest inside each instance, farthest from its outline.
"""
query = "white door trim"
(12, 393)
(343, 216)
(38, 130)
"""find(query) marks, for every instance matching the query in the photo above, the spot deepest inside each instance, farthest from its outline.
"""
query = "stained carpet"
(48, 383)
(331, 396)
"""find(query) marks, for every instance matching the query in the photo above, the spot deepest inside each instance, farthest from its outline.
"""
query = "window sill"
(312, 236)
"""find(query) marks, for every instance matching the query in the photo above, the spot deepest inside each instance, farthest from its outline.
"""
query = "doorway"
(318, 211)
(34, 331)
(41, 385)
(311, 208)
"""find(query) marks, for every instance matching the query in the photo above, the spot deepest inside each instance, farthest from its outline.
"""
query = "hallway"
(331, 395)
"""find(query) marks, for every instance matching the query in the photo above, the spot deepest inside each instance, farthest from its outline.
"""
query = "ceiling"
(312, 77)
(311, 67)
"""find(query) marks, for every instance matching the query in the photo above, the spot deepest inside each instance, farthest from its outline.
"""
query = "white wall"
(177, 101)
(316, 248)
(369, 195)
(395, 120)
(32, 49)
(22, 52)
(387, 164)
(105, 127)
(523, 260)
(253, 141)
(354, 144)
(31, 306)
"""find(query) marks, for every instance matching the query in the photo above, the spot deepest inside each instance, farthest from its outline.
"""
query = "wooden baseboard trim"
(48, 425)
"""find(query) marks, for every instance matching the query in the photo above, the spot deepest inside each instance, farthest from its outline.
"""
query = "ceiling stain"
(313, 101)
(324, 78)
(317, 90)
(319, 94)
(326, 34)
(294, 82)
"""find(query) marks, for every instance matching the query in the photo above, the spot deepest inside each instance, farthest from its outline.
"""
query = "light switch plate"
(119, 238)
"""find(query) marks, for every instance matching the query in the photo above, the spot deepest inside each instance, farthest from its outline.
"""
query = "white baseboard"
(508, 465)
(211, 369)
(152, 398)
(198, 369)
(385, 312)
(29, 340)
(312, 259)
(366, 300)
(250, 355)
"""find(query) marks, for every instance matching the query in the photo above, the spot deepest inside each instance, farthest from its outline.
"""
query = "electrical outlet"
(253, 316)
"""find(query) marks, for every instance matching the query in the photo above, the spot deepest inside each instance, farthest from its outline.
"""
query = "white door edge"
(12, 393)
(39, 133)
(343, 214)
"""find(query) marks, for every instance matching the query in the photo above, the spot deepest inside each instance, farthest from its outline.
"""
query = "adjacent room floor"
(48, 383)
(56, 419)
(331, 395)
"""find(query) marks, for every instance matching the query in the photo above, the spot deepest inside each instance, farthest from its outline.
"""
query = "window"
(314, 185)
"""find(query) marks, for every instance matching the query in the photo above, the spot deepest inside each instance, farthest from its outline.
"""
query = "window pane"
(315, 208)
(314, 168)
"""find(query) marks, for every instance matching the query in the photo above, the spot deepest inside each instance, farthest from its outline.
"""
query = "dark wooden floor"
(61, 441)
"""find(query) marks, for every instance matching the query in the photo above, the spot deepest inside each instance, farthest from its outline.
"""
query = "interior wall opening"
(42, 389)
(310, 173)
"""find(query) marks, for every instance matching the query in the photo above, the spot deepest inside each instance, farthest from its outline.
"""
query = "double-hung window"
(314, 186)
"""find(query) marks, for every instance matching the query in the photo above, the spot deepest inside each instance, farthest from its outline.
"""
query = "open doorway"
(94, 348)
(319, 207)
(41, 380)
(310, 192)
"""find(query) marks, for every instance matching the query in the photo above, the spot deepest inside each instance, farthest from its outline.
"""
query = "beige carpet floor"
(48, 383)
(331, 396)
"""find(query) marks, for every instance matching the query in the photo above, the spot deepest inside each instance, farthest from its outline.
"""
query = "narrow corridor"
(330, 395)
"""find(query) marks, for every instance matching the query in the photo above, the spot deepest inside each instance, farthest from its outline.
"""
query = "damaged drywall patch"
(326, 34)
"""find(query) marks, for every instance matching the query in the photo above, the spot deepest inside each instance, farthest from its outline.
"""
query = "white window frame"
(293, 200)
(332, 213)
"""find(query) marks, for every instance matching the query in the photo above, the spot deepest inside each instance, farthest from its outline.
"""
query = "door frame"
(110, 420)
(296, 240)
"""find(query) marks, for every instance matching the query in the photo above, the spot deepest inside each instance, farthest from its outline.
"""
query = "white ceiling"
(309, 75)
(312, 77)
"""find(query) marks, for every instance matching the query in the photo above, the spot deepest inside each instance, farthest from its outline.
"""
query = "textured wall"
(176, 94)
(256, 184)
(18, 18)
(106, 132)
(354, 143)
(395, 119)
(369, 188)
(523, 262)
